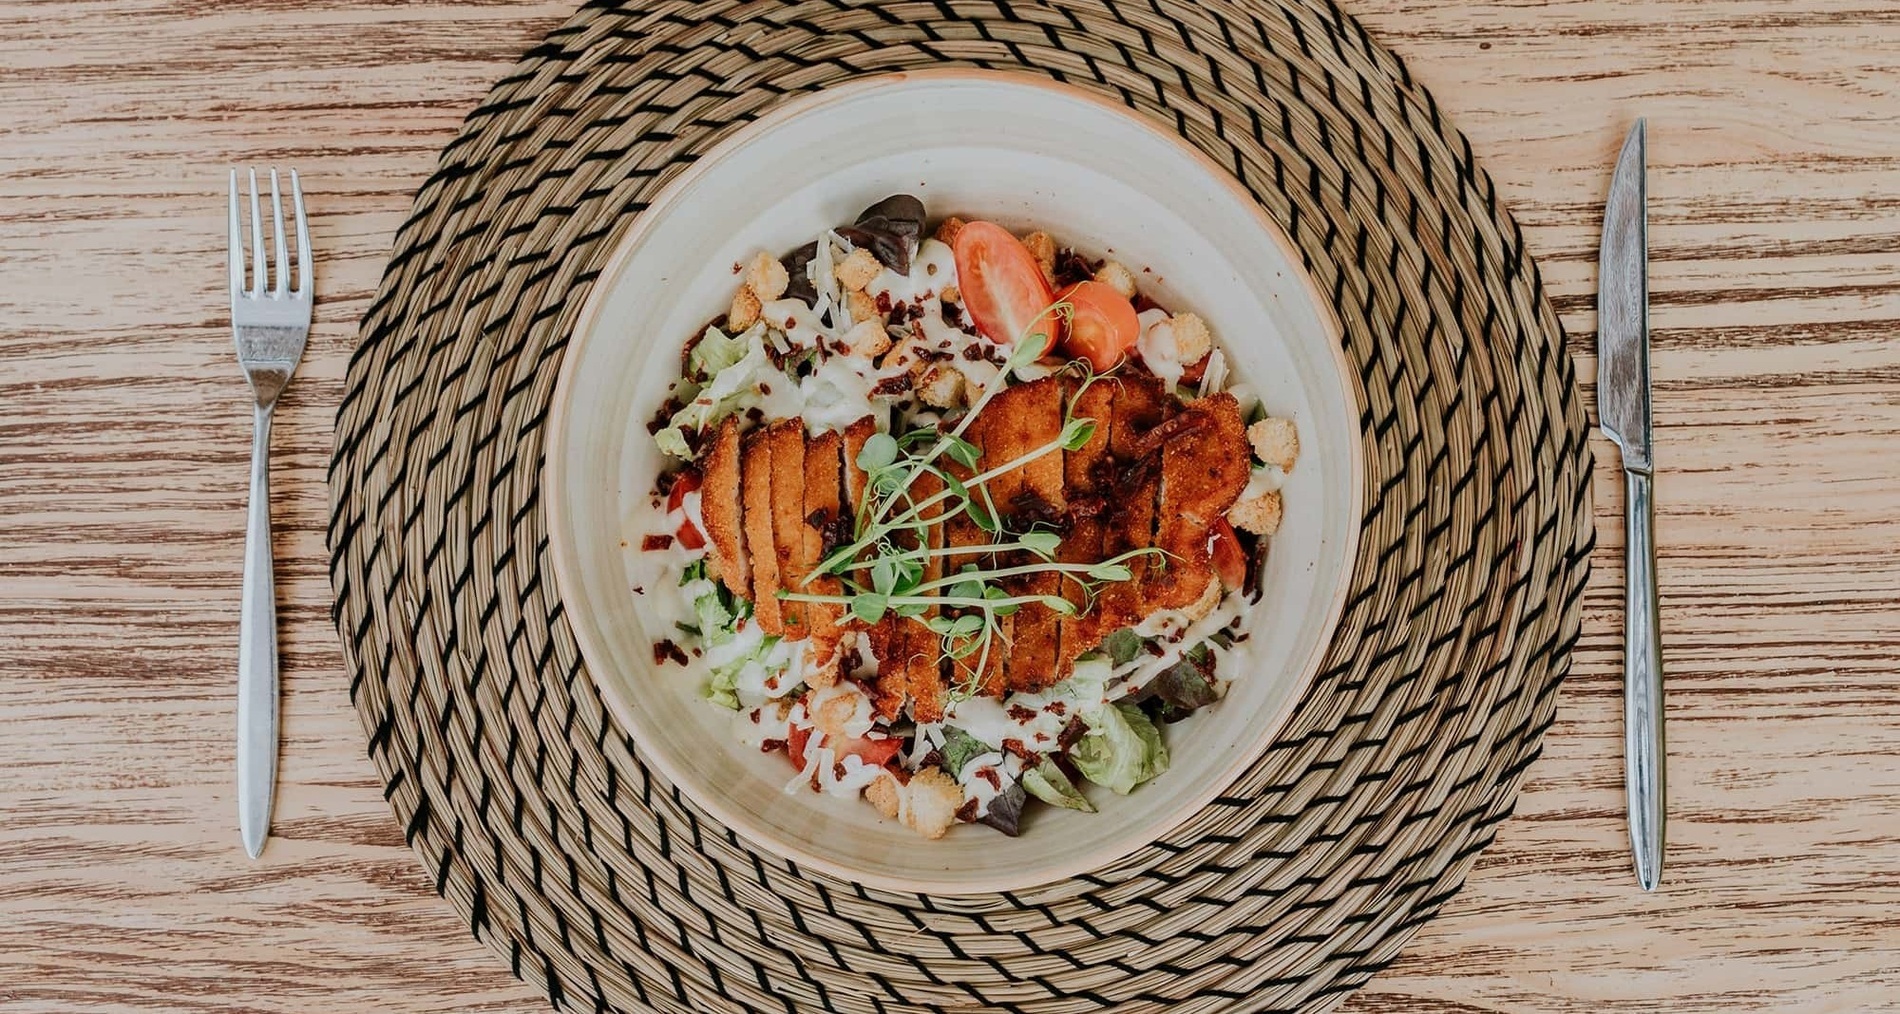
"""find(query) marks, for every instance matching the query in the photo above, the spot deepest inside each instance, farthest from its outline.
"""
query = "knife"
(1623, 410)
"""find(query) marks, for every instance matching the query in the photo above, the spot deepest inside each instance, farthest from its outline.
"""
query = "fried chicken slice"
(1204, 468)
(1087, 498)
(786, 439)
(756, 492)
(719, 505)
(823, 455)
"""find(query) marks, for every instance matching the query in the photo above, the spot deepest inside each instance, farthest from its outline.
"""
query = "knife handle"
(1643, 755)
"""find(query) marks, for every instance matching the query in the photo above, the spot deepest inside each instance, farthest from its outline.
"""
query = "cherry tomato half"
(875, 752)
(1104, 326)
(689, 535)
(1230, 561)
(1002, 285)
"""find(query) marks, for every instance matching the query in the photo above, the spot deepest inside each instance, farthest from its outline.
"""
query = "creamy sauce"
(1158, 349)
(986, 776)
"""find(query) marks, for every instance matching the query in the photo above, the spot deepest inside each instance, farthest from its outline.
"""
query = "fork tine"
(280, 268)
(303, 237)
(257, 241)
(237, 243)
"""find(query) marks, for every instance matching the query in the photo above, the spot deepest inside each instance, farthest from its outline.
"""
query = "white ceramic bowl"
(1024, 152)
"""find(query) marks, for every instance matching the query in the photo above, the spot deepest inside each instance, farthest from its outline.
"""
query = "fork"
(270, 322)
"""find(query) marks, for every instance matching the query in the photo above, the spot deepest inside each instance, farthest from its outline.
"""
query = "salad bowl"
(1026, 153)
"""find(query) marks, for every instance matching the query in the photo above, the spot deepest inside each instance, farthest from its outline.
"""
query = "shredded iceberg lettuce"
(723, 394)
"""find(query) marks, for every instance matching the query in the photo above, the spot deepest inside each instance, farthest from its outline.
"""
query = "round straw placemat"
(603, 885)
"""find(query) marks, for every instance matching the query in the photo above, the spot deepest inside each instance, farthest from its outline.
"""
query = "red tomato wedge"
(689, 535)
(1103, 326)
(1230, 562)
(875, 752)
(1002, 285)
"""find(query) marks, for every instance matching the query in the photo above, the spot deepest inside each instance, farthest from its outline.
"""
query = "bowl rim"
(563, 562)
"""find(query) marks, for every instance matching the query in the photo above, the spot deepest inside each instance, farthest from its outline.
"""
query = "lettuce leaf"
(959, 748)
(723, 689)
(714, 351)
(1121, 750)
(1122, 646)
(724, 392)
(1006, 811)
(1046, 782)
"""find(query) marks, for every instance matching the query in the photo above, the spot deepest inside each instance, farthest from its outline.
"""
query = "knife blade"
(1623, 410)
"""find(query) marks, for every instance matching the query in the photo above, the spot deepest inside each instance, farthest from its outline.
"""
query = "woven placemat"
(602, 884)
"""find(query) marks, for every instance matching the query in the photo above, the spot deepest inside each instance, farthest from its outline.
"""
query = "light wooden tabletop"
(1774, 146)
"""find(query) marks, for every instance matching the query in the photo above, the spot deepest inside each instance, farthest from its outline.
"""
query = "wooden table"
(1775, 231)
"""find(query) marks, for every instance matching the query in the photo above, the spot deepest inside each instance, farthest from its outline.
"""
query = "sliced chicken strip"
(1087, 497)
(756, 494)
(1205, 461)
(719, 505)
(823, 455)
(786, 438)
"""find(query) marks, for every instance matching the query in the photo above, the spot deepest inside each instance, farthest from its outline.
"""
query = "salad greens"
(1121, 750)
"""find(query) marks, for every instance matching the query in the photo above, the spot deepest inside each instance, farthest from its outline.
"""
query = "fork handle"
(257, 655)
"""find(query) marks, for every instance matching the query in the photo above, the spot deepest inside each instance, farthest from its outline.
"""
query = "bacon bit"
(892, 385)
(884, 303)
(755, 414)
(1020, 714)
(1072, 733)
(974, 353)
(1057, 708)
(933, 759)
(770, 745)
(967, 812)
(765, 389)
(989, 775)
(1022, 752)
(655, 543)
(665, 414)
(1072, 267)
(953, 315)
(663, 650)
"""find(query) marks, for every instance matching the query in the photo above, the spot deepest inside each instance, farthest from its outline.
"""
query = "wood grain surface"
(124, 435)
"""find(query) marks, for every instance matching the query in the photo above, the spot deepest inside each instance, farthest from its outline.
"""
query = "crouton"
(940, 385)
(934, 799)
(1192, 341)
(947, 232)
(862, 306)
(1117, 276)
(766, 277)
(1259, 515)
(884, 795)
(1043, 248)
(1275, 441)
(867, 339)
(856, 271)
(744, 311)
